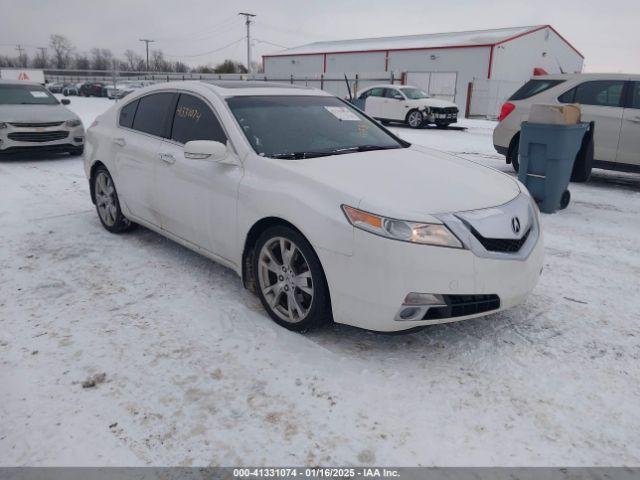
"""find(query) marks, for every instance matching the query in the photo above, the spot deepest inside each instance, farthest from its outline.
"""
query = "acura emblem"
(515, 225)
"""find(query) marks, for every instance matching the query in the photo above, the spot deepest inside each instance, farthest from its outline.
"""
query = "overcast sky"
(606, 32)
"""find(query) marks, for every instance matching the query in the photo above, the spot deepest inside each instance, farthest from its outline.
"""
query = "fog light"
(424, 299)
(408, 312)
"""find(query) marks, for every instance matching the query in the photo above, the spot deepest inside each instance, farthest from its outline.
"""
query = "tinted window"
(534, 87)
(635, 95)
(127, 113)
(194, 120)
(567, 97)
(605, 93)
(283, 126)
(151, 116)
(376, 92)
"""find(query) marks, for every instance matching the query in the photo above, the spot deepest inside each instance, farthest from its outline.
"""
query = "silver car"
(33, 119)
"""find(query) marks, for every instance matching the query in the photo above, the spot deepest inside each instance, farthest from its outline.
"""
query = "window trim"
(628, 94)
(146, 94)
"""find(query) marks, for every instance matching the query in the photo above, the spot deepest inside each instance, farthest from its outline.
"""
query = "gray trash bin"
(547, 153)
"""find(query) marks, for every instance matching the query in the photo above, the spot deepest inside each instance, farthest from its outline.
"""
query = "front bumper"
(57, 136)
(368, 289)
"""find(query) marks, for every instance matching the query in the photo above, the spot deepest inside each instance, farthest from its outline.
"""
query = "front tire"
(289, 279)
(107, 203)
(415, 119)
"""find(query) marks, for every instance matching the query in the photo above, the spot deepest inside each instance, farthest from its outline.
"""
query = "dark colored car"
(93, 89)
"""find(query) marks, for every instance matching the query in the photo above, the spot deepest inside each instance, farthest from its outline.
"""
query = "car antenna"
(348, 87)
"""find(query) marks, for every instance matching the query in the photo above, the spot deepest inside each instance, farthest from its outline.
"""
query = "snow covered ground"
(197, 374)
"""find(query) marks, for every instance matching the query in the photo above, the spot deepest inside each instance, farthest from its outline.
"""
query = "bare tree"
(157, 62)
(82, 61)
(180, 67)
(133, 60)
(41, 60)
(62, 49)
(229, 66)
(101, 59)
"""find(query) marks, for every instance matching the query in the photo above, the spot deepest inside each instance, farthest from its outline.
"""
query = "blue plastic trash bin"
(547, 153)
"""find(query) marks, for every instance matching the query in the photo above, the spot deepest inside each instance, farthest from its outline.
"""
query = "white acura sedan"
(324, 213)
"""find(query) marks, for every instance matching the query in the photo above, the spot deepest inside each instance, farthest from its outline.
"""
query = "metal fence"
(332, 83)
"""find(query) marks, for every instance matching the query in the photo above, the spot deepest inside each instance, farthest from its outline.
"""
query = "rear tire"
(107, 203)
(584, 160)
(289, 280)
(442, 125)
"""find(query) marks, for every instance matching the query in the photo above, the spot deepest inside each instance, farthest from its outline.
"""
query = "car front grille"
(463, 305)
(38, 137)
(502, 245)
(448, 110)
(35, 125)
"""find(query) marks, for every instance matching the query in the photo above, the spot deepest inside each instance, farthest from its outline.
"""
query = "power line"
(202, 30)
(269, 43)
(209, 52)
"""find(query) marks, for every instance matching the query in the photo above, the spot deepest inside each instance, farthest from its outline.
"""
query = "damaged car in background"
(405, 104)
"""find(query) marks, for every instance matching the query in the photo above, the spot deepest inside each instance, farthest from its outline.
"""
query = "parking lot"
(197, 374)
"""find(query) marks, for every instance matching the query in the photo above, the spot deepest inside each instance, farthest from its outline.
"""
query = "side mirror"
(398, 97)
(65, 101)
(205, 149)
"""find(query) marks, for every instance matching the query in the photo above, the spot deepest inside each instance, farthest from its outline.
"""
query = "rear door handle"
(121, 142)
(167, 158)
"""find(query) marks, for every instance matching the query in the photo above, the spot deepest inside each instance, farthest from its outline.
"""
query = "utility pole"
(147, 42)
(20, 49)
(248, 17)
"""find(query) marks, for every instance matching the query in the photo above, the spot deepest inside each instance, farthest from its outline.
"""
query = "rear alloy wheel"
(107, 203)
(513, 156)
(415, 119)
(290, 281)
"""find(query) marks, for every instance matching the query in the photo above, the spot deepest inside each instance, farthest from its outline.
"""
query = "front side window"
(393, 93)
(534, 87)
(127, 113)
(603, 93)
(376, 92)
(13, 94)
(287, 126)
(414, 93)
(152, 112)
(194, 120)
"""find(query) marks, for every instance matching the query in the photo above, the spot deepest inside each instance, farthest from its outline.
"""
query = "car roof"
(235, 88)
(588, 76)
(18, 82)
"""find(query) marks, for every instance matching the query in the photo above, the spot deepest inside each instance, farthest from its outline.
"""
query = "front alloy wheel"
(415, 119)
(290, 281)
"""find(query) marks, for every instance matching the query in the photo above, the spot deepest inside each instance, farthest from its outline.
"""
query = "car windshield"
(287, 126)
(11, 94)
(414, 93)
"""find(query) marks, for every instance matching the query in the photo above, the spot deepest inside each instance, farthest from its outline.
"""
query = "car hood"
(432, 102)
(35, 113)
(410, 183)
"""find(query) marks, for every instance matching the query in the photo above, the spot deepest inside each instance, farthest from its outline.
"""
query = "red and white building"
(443, 63)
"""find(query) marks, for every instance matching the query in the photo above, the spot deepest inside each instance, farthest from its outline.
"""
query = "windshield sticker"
(343, 113)
(38, 94)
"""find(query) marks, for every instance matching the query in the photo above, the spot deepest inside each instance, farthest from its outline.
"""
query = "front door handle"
(167, 158)
(635, 119)
(121, 142)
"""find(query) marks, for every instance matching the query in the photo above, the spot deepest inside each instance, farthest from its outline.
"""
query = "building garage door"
(437, 84)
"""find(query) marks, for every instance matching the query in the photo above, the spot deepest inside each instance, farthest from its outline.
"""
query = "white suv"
(406, 104)
(612, 101)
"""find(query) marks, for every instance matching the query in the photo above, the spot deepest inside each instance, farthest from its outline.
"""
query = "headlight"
(73, 123)
(3, 125)
(423, 233)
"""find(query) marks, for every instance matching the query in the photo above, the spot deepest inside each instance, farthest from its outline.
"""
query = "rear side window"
(194, 120)
(151, 115)
(534, 87)
(127, 113)
(603, 93)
